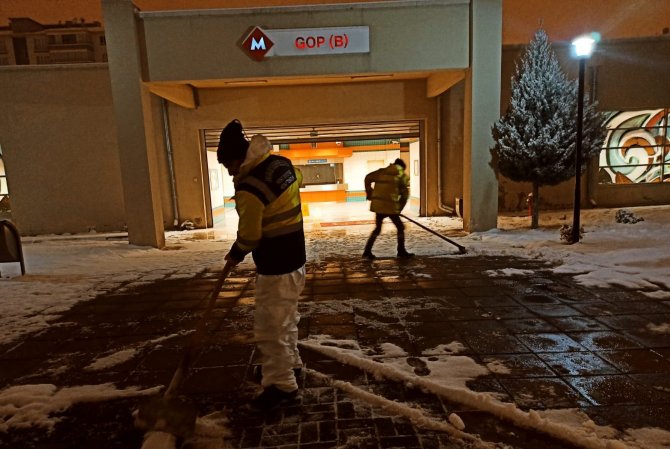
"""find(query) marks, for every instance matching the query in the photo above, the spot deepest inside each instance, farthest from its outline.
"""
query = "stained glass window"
(637, 147)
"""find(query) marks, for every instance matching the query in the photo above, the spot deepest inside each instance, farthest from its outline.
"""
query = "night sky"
(562, 20)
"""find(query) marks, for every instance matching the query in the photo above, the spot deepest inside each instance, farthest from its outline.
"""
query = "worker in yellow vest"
(267, 200)
(387, 198)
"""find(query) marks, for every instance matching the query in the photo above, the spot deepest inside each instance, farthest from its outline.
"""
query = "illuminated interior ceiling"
(402, 131)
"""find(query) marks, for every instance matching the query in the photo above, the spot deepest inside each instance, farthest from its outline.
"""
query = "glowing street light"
(582, 48)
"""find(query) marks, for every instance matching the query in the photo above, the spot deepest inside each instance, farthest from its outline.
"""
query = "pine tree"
(535, 139)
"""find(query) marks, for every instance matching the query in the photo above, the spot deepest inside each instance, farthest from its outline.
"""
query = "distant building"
(27, 42)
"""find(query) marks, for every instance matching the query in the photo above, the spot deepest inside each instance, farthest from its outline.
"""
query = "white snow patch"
(586, 434)
(456, 421)
(391, 350)
(210, 432)
(498, 367)
(125, 355)
(416, 416)
(507, 272)
(24, 406)
(652, 437)
(658, 294)
(452, 348)
(157, 439)
(111, 360)
(659, 328)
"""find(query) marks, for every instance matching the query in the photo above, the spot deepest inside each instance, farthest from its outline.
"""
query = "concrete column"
(482, 109)
(132, 110)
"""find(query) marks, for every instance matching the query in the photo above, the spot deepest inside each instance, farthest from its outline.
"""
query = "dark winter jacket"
(390, 192)
(267, 200)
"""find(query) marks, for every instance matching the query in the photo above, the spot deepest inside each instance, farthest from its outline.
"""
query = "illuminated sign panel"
(260, 43)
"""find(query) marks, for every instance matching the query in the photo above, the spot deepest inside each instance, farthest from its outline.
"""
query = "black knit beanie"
(232, 143)
(400, 162)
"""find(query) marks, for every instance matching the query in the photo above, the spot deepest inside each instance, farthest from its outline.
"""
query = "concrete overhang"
(184, 93)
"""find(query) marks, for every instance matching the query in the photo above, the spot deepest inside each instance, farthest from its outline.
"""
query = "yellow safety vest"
(391, 189)
(267, 200)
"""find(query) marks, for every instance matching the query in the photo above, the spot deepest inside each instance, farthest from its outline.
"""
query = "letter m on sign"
(257, 44)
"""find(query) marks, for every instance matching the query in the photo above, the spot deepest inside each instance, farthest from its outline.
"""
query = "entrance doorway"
(334, 159)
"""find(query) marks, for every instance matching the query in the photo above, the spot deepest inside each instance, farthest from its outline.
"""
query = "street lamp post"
(582, 49)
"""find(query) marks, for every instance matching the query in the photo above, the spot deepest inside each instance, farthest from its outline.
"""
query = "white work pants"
(276, 327)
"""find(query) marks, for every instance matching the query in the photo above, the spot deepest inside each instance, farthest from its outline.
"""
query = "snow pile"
(447, 379)
(26, 406)
(111, 360)
(609, 255)
(210, 431)
(454, 427)
(626, 216)
(125, 355)
(660, 328)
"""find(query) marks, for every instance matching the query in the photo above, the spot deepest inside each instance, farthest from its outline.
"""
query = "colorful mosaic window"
(637, 148)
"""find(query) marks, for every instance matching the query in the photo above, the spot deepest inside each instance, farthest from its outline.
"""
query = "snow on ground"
(25, 406)
(635, 256)
(446, 375)
(63, 270)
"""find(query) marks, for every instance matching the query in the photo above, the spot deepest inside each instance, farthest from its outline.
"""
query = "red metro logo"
(257, 44)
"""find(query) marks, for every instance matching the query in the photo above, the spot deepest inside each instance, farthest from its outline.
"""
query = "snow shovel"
(166, 418)
(461, 249)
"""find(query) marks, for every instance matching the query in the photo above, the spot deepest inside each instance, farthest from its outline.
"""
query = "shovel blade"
(171, 415)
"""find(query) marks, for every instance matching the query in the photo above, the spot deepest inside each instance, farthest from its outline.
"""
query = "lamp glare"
(583, 46)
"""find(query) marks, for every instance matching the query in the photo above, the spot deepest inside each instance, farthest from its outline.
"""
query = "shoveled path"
(564, 346)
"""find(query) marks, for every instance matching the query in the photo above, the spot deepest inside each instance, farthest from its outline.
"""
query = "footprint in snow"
(420, 367)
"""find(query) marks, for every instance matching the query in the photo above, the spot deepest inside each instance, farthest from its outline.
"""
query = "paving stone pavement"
(565, 346)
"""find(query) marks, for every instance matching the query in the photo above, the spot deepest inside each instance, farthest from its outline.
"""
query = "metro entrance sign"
(260, 43)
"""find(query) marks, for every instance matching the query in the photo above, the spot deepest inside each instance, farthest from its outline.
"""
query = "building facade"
(133, 137)
(26, 41)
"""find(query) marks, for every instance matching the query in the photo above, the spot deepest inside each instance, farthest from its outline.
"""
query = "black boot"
(402, 252)
(272, 397)
(367, 253)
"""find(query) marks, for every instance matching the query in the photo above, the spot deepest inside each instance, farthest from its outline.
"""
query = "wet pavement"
(562, 346)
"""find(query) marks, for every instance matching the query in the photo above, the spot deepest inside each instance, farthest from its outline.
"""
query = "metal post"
(578, 151)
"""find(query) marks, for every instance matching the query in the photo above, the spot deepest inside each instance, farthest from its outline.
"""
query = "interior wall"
(290, 105)
(357, 166)
(60, 149)
(216, 178)
(414, 170)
